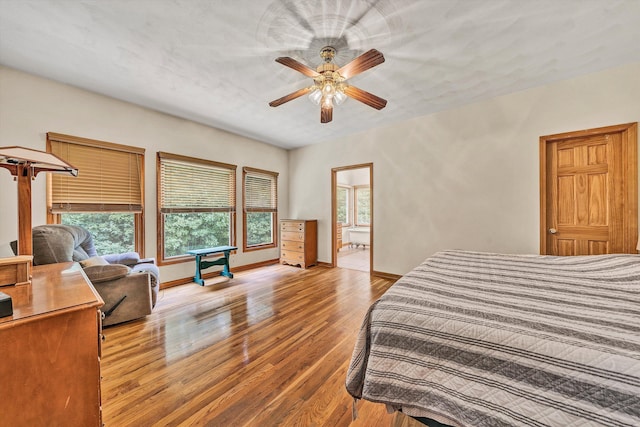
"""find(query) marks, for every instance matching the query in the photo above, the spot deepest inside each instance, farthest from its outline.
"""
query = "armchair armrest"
(137, 303)
(127, 258)
(106, 273)
(154, 274)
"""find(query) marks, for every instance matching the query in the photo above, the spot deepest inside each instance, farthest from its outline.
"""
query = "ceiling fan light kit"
(330, 86)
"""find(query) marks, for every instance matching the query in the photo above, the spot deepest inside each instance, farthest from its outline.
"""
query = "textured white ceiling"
(213, 61)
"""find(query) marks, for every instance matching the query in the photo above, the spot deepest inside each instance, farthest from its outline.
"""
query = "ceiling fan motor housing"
(328, 53)
(327, 66)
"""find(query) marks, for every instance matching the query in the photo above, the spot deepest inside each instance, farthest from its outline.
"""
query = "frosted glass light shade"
(315, 96)
(339, 97)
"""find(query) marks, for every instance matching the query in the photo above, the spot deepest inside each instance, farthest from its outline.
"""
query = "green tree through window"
(363, 206)
(186, 231)
(342, 199)
(259, 228)
(113, 233)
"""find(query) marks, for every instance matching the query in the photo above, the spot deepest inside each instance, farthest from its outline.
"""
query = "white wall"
(466, 178)
(353, 177)
(31, 106)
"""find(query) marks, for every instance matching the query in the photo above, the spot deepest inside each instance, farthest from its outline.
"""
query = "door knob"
(553, 231)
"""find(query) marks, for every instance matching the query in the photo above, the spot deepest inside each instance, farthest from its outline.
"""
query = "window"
(260, 210)
(196, 205)
(115, 232)
(342, 199)
(362, 197)
(107, 195)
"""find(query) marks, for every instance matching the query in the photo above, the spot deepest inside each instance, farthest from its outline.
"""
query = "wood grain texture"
(589, 193)
(365, 97)
(49, 352)
(326, 114)
(362, 63)
(269, 348)
(290, 97)
(25, 243)
(298, 66)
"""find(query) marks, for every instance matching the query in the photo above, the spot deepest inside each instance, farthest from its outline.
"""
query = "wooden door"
(589, 191)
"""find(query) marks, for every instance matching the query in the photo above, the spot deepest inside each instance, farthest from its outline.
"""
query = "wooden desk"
(50, 352)
(203, 264)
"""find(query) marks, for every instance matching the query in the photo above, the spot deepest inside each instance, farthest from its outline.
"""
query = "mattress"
(481, 339)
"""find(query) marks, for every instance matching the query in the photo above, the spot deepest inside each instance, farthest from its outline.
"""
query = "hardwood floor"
(269, 348)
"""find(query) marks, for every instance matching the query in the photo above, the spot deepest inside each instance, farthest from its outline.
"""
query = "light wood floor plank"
(269, 348)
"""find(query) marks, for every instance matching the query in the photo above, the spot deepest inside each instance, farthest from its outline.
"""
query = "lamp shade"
(315, 96)
(339, 97)
(40, 161)
(24, 164)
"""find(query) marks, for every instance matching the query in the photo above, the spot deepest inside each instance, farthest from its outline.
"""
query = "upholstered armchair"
(127, 284)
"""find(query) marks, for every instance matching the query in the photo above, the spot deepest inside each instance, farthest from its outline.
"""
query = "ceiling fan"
(330, 82)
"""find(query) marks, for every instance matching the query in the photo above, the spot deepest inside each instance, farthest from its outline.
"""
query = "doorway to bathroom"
(352, 217)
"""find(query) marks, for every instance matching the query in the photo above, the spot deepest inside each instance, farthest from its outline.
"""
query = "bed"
(472, 339)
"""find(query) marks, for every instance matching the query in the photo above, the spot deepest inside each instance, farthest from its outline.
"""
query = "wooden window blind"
(260, 190)
(110, 176)
(195, 185)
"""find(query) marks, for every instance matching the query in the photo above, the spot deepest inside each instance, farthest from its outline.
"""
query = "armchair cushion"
(94, 260)
(106, 273)
(61, 243)
(127, 258)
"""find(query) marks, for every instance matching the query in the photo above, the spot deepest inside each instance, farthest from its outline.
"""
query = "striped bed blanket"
(475, 339)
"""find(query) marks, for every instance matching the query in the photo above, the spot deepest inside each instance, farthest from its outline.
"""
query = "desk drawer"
(294, 236)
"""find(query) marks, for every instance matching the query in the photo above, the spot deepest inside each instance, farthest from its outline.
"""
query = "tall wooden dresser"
(50, 352)
(299, 242)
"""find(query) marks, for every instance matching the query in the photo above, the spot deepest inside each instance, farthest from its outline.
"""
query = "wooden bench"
(203, 264)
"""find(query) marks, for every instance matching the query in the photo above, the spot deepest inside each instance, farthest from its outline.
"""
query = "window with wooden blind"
(260, 208)
(107, 196)
(196, 205)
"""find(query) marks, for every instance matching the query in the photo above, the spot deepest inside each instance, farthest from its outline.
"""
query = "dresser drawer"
(292, 226)
(294, 236)
(292, 257)
(291, 246)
